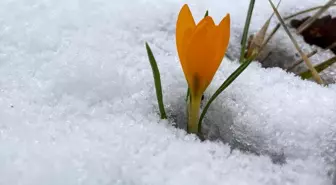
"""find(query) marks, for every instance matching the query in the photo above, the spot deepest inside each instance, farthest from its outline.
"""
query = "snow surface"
(78, 104)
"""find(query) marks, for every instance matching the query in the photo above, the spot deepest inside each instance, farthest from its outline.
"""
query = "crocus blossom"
(201, 49)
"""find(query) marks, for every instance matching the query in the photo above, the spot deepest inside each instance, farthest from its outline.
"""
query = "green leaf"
(157, 81)
(206, 13)
(188, 94)
(226, 83)
(320, 67)
(246, 29)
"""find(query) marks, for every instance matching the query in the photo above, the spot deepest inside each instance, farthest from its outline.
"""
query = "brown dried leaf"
(258, 39)
(321, 33)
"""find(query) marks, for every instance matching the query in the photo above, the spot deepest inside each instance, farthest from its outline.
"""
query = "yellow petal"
(218, 41)
(200, 56)
(184, 28)
(223, 37)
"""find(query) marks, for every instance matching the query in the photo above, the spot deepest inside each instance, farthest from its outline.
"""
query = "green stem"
(194, 109)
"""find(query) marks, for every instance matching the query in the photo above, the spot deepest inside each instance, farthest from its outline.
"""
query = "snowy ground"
(78, 106)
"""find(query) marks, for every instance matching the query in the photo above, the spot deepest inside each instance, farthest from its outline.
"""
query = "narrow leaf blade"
(246, 29)
(226, 83)
(319, 68)
(157, 81)
(206, 13)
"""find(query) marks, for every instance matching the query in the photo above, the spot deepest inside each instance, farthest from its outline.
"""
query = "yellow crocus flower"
(201, 49)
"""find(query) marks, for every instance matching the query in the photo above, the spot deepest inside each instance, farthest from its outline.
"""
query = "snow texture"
(78, 105)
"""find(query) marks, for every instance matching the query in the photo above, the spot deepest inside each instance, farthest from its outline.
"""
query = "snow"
(78, 105)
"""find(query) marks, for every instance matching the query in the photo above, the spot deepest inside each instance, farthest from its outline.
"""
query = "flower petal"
(200, 56)
(185, 26)
(223, 37)
(217, 40)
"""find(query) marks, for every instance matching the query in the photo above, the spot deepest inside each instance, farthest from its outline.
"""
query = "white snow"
(78, 105)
